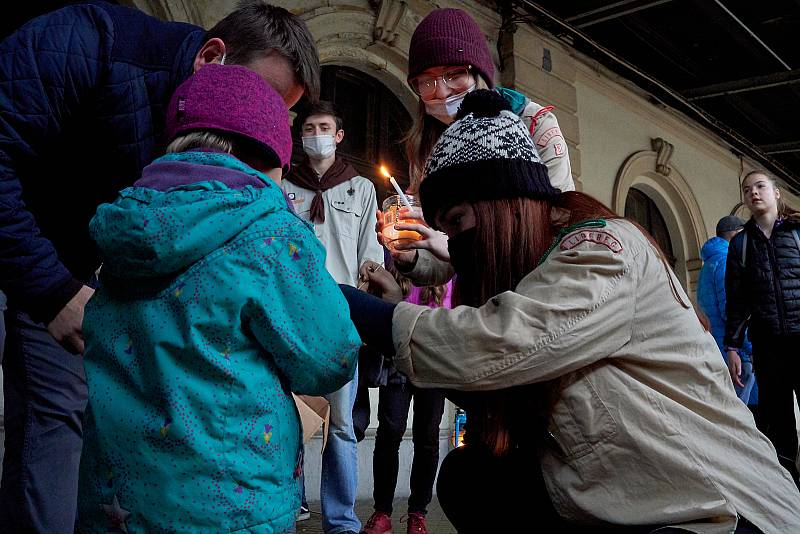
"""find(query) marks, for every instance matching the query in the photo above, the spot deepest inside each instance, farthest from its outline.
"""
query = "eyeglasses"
(458, 79)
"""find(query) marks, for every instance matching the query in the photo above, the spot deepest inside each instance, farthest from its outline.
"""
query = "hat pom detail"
(483, 103)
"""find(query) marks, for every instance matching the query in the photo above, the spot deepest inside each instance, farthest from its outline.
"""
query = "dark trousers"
(481, 493)
(778, 370)
(393, 404)
(45, 397)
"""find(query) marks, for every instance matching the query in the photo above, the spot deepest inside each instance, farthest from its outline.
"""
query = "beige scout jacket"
(647, 425)
(348, 233)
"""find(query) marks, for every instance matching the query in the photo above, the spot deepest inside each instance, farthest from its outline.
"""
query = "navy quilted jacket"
(83, 92)
(765, 289)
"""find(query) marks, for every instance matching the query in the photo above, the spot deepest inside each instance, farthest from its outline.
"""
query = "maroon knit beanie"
(232, 99)
(449, 37)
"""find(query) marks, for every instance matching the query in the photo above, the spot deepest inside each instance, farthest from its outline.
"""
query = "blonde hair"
(203, 139)
(421, 138)
(429, 295)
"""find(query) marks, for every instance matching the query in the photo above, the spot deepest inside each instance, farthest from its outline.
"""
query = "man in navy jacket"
(83, 92)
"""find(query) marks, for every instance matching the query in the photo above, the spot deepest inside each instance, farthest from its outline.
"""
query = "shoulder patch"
(601, 237)
(548, 135)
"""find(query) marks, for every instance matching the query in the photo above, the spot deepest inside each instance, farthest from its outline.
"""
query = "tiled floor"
(437, 522)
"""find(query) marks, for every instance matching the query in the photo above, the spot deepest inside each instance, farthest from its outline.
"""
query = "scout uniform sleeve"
(546, 135)
(299, 316)
(573, 310)
(428, 270)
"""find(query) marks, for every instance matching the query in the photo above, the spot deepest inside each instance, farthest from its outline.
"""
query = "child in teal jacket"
(214, 305)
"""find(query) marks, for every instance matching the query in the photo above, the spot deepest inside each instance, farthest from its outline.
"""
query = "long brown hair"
(419, 142)
(504, 251)
(504, 254)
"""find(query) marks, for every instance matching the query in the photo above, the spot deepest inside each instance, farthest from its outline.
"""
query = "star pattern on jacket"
(116, 515)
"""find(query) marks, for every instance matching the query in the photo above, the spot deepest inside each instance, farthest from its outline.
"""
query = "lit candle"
(402, 195)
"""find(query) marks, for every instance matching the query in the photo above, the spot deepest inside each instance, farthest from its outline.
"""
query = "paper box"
(314, 415)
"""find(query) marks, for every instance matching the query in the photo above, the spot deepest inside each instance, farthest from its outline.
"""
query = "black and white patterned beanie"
(486, 154)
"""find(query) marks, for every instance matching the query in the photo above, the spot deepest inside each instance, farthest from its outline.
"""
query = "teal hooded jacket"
(214, 305)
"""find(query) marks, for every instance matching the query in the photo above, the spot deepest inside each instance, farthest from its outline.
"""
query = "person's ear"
(211, 52)
(339, 136)
(777, 193)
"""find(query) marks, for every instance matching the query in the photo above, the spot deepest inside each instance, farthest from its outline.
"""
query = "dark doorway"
(641, 208)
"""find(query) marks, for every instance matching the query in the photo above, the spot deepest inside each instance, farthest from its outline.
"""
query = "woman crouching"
(618, 411)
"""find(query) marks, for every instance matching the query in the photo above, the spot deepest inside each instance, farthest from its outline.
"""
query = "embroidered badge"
(549, 135)
(601, 237)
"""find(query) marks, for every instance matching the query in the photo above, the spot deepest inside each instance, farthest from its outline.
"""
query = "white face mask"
(319, 146)
(446, 110)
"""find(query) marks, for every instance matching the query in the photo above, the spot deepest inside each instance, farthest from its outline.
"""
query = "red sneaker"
(379, 523)
(416, 523)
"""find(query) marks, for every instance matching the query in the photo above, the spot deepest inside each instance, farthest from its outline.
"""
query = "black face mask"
(462, 255)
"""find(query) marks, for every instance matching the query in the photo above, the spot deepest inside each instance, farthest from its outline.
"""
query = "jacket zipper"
(776, 281)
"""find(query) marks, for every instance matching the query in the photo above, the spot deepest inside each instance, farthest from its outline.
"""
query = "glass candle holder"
(395, 212)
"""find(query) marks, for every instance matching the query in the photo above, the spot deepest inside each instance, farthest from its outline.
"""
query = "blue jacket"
(711, 291)
(214, 304)
(86, 79)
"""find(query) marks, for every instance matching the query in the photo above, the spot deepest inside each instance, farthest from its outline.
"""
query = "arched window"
(641, 208)
(374, 122)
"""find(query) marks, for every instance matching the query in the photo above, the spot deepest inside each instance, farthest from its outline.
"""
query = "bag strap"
(744, 247)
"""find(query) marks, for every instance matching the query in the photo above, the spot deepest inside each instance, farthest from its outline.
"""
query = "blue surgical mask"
(445, 110)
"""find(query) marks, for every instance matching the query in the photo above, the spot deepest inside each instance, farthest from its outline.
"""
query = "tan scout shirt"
(348, 233)
(647, 428)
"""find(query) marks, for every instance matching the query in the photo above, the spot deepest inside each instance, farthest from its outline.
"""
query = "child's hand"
(378, 281)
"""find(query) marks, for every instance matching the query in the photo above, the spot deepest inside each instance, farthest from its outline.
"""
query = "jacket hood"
(147, 233)
(716, 246)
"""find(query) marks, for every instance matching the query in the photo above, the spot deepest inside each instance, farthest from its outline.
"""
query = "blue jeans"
(749, 380)
(45, 396)
(339, 485)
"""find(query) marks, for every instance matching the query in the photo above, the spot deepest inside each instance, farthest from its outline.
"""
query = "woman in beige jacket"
(578, 311)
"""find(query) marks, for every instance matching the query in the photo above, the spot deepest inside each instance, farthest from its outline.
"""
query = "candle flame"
(385, 172)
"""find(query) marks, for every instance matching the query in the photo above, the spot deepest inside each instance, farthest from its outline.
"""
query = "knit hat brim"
(489, 179)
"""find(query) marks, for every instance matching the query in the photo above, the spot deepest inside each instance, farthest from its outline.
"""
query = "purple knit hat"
(232, 99)
(449, 37)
